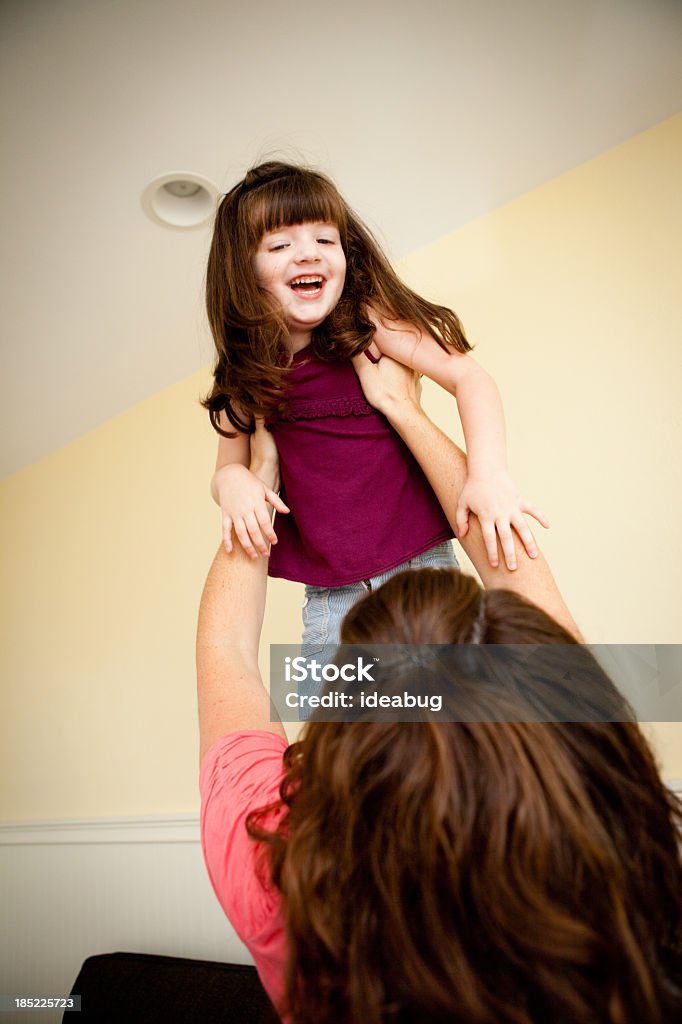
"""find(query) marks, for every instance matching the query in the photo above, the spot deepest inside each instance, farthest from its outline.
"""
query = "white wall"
(70, 890)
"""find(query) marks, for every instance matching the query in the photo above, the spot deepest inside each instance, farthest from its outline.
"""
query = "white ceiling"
(426, 115)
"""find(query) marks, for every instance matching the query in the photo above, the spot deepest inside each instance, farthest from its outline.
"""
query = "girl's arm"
(394, 391)
(245, 496)
(489, 491)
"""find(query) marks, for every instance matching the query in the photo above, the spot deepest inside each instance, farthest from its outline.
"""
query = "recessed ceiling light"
(182, 200)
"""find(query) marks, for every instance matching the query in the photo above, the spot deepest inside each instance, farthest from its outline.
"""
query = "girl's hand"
(499, 507)
(245, 502)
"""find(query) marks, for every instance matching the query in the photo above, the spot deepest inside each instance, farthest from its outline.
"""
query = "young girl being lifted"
(296, 287)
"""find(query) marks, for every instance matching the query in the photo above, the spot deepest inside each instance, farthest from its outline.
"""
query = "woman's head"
(251, 332)
(481, 870)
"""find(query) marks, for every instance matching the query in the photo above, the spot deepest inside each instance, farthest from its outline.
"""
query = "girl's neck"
(298, 340)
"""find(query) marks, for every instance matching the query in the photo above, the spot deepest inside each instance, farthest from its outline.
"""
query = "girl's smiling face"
(303, 267)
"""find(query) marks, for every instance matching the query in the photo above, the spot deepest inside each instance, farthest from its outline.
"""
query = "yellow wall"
(570, 293)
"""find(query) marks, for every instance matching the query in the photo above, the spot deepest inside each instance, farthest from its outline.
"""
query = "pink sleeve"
(240, 773)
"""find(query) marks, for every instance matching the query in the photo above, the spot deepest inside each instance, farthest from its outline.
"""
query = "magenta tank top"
(360, 504)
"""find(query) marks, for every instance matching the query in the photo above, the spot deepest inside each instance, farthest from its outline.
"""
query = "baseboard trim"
(175, 828)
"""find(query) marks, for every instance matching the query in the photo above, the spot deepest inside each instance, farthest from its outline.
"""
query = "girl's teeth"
(310, 284)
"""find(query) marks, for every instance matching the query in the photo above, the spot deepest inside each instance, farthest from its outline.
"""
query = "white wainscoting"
(71, 889)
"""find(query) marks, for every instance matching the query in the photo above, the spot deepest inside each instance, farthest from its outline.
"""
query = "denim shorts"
(324, 608)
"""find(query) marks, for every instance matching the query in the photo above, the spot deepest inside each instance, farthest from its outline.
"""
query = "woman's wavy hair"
(252, 358)
(478, 871)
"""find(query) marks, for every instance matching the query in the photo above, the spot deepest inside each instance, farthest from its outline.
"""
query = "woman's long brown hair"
(252, 359)
(478, 871)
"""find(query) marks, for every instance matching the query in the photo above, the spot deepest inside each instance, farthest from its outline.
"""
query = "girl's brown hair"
(252, 358)
(478, 871)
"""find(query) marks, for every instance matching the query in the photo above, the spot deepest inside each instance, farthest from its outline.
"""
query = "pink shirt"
(240, 773)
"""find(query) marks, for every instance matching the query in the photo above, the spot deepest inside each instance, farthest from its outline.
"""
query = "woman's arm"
(394, 390)
(488, 491)
(229, 686)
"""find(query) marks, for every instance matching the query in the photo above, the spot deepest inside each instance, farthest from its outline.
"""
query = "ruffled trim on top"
(318, 408)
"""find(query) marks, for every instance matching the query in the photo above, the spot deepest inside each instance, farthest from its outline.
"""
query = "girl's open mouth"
(308, 286)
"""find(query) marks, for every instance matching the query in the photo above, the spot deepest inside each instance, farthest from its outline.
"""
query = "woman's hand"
(246, 496)
(386, 383)
(386, 328)
(499, 507)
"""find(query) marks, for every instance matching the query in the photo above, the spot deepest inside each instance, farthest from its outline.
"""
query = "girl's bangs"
(294, 199)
